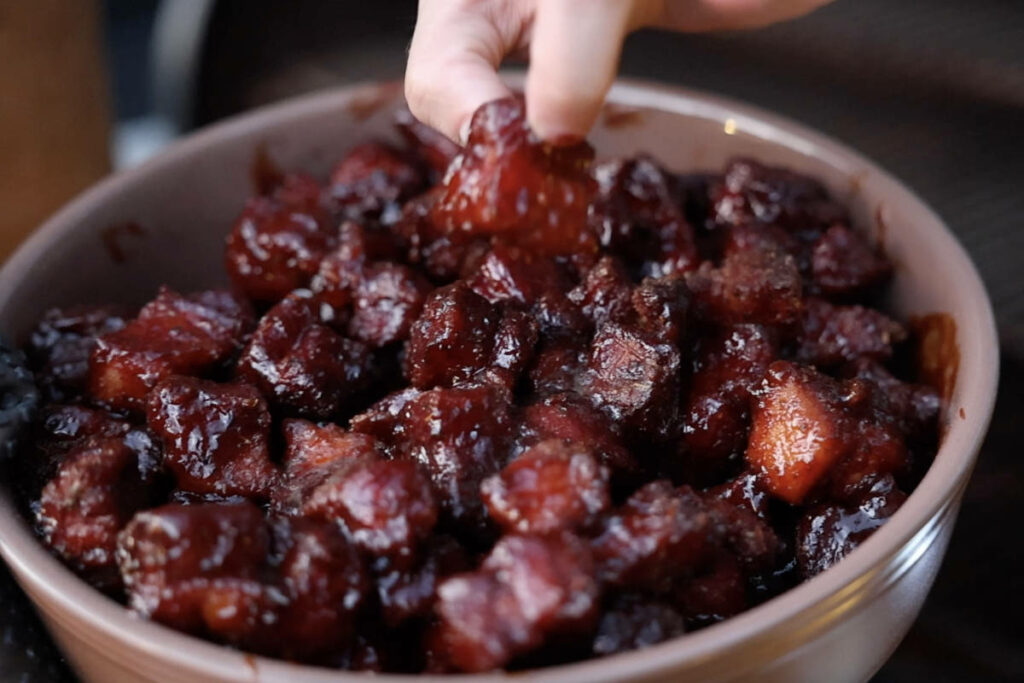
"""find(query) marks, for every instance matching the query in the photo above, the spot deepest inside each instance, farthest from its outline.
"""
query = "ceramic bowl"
(165, 222)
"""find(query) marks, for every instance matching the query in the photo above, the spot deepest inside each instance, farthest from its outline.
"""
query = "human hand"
(573, 47)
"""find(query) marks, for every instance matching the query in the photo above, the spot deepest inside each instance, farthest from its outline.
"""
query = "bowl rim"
(813, 604)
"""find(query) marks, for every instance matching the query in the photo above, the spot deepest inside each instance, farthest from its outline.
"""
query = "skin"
(573, 48)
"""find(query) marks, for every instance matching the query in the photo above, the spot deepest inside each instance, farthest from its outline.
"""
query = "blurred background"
(933, 90)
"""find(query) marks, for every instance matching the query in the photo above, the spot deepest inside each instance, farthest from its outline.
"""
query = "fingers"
(574, 55)
(453, 61)
(720, 15)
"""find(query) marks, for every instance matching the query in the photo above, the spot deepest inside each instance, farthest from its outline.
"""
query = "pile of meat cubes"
(500, 406)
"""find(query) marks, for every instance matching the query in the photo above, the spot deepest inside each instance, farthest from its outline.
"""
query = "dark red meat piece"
(554, 485)
(386, 301)
(605, 295)
(657, 536)
(635, 379)
(431, 147)
(829, 532)
(215, 436)
(661, 306)
(830, 335)
(301, 365)
(571, 418)
(453, 337)
(752, 192)
(406, 594)
(632, 622)
(96, 490)
(528, 589)
(60, 345)
(172, 335)
(370, 177)
(275, 247)
(556, 367)
(514, 274)
(843, 263)
(386, 506)
(508, 182)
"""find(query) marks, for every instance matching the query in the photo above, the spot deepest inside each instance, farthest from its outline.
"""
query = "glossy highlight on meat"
(483, 408)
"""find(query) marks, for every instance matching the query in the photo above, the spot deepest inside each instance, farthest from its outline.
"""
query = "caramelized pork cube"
(172, 335)
(633, 622)
(275, 247)
(507, 181)
(96, 490)
(453, 337)
(635, 214)
(913, 408)
(605, 294)
(529, 589)
(552, 486)
(513, 274)
(753, 192)
(407, 594)
(385, 303)
(657, 536)
(325, 584)
(302, 366)
(728, 368)
(757, 285)
(661, 306)
(829, 532)
(215, 436)
(571, 418)
(459, 436)
(180, 563)
(843, 263)
(372, 177)
(59, 346)
(387, 507)
(556, 367)
(830, 335)
(634, 378)
(800, 430)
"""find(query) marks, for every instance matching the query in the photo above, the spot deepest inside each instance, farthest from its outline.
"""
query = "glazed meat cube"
(275, 247)
(661, 306)
(513, 274)
(843, 263)
(913, 408)
(571, 418)
(97, 489)
(876, 449)
(657, 536)
(633, 622)
(312, 453)
(605, 295)
(215, 436)
(830, 335)
(635, 214)
(800, 430)
(442, 255)
(459, 436)
(385, 303)
(827, 533)
(528, 589)
(728, 368)
(180, 563)
(172, 335)
(371, 177)
(743, 534)
(301, 365)
(325, 585)
(757, 285)
(556, 367)
(514, 345)
(453, 337)
(411, 593)
(507, 181)
(386, 506)
(752, 192)
(716, 594)
(552, 486)
(381, 420)
(433, 149)
(744, 491)
(60, 345)
(635, 379)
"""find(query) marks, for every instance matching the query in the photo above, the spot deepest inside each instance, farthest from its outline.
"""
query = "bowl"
(165, 222)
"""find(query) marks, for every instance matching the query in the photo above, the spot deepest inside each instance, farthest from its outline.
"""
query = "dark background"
(933, 90)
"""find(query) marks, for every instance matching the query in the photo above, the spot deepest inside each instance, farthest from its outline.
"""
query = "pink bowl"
(840, 626)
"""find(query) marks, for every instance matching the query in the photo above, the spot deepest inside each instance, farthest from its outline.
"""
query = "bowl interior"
(166, 221)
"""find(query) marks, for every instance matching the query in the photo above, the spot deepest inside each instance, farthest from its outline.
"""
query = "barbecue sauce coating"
(483, 408)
